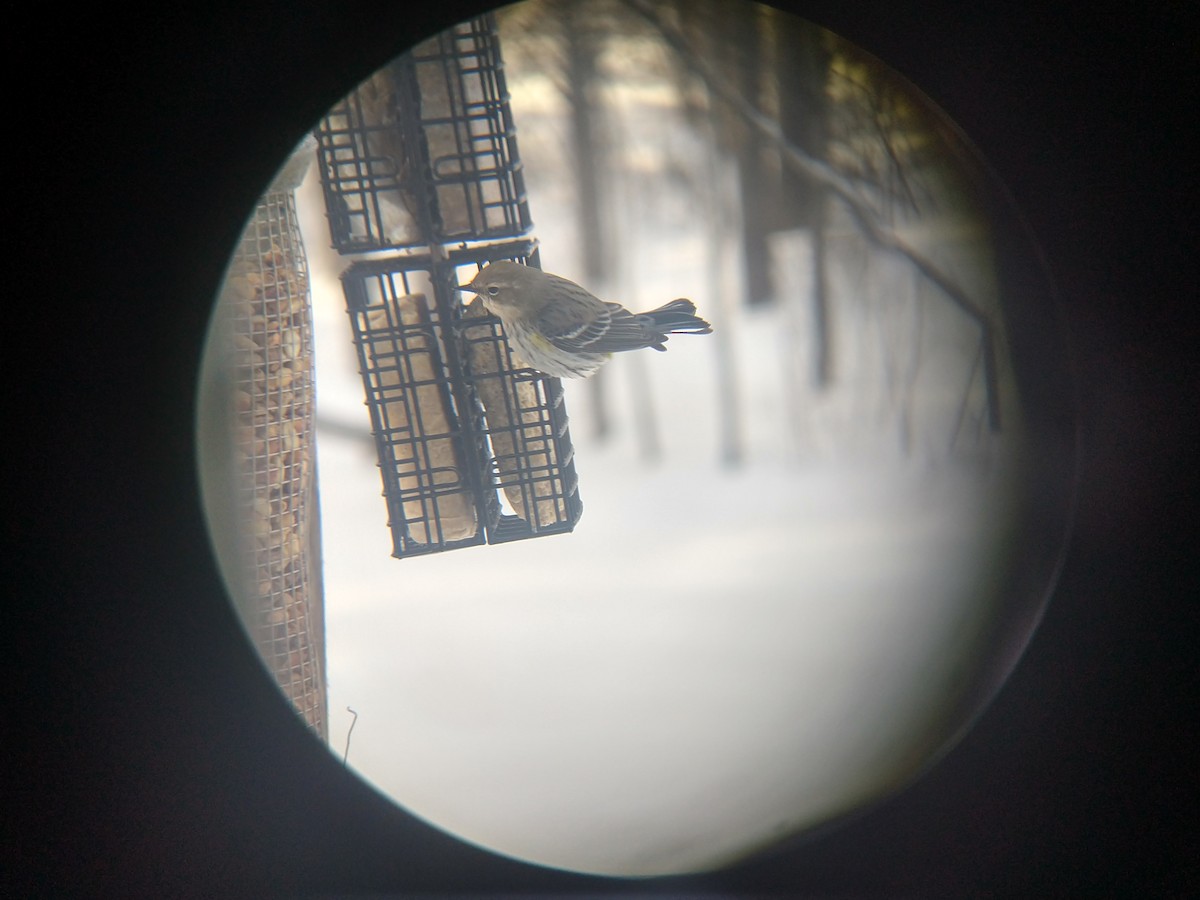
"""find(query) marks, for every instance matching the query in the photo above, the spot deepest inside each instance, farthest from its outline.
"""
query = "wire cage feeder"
(424, 152)
(265, 308)
(421, 162)
(472, 447)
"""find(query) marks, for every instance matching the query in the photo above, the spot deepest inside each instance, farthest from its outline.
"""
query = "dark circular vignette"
(162, 762)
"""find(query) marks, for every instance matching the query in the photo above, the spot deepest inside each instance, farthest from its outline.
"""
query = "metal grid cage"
(425, 150)
(472, 447)
(267, 314)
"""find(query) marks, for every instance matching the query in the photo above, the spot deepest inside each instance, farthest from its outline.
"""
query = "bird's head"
(505, 286)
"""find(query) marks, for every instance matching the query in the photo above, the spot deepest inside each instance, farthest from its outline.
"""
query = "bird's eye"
(493, 290)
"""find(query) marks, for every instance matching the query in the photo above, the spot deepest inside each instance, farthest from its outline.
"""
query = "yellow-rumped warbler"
(559, 328)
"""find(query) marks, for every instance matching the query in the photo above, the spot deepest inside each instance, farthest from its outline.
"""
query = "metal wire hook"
(346, 755)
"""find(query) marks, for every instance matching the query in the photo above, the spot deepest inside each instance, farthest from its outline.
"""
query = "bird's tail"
(677, 317)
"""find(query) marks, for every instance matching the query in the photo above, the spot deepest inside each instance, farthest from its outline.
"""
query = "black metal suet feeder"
(424, 152)
(420, 162)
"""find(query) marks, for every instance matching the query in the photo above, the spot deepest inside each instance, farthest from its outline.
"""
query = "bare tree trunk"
(743, 26)
(723, 209)
(802, 70)
(822, 337)
(645, 420)
(582, 48)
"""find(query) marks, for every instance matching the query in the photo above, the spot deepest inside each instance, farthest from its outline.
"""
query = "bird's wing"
(608, 328)
(575, 327)
(626, 331)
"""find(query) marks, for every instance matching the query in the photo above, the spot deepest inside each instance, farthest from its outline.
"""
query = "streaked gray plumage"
(561, 329)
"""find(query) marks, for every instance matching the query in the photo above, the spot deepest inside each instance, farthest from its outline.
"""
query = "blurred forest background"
(805, 196)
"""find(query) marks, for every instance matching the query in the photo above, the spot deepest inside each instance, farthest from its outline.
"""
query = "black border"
(153, 758)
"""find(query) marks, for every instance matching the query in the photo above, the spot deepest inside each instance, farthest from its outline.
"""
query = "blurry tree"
(733, 37)
(801, 65)
(583, 35)
(864, 167)
(823, 142)
(778, 63)
(567, 39)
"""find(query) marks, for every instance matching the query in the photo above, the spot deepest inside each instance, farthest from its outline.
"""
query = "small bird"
(559, 328)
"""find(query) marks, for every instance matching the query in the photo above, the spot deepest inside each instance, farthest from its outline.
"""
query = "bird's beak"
(467, 289)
